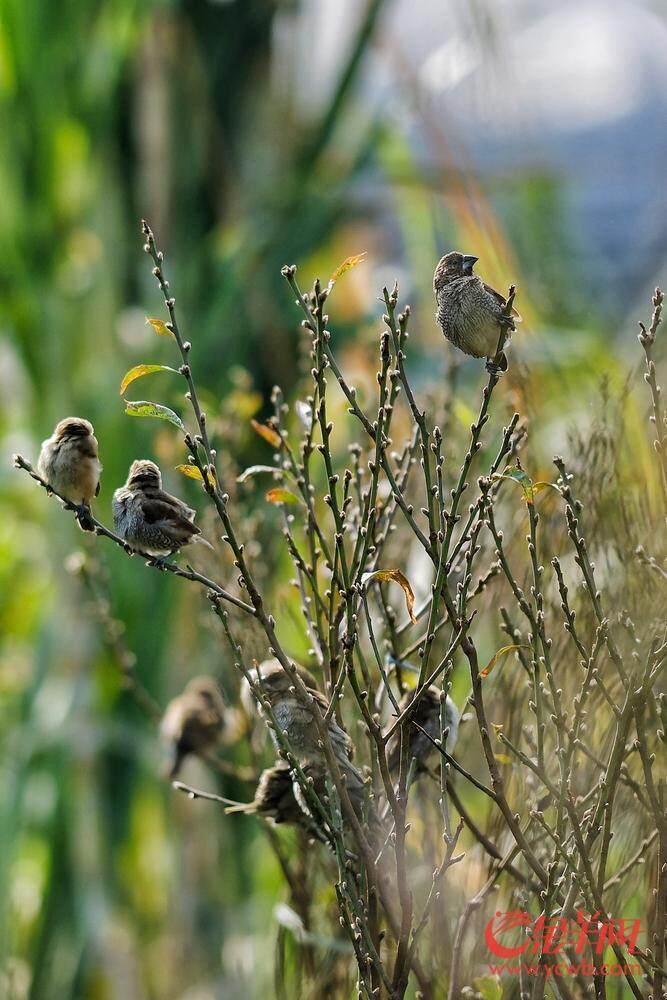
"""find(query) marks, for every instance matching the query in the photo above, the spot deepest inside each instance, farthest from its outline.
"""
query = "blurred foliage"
(110, 884)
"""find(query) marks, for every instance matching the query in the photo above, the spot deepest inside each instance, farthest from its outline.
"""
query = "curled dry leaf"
(398, 577)
(498, 655)
(143, 408)
(138, 372)
(266, 432)
(159, 326)
(253, 470)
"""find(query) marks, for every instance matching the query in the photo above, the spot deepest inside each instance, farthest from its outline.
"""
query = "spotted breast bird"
(469, 312)
(69, 462)
(149, 518)
(276, 797)
(294, 713)
(193, 722)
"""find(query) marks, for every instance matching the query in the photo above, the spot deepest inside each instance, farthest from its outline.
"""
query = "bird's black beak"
(468, 263)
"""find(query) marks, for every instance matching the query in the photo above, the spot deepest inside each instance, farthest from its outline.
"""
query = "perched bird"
(427, 715)
(470, 312)
(150, 519)
(69, 462)
(294, 715)
(193, 722)
(276, 797)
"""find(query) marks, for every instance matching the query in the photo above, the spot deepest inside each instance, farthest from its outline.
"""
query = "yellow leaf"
(191, 471)
(267, 433)
(138, 372)
(347, 265)
(498, 655)
(279, 495)
(398, 577)
(159, 326)
(502, 758)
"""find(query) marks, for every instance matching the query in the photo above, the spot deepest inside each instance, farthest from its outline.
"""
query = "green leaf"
(398, 577)
(143, 408)
(498, 655)
(159, 326)
(253, 470)
(138, 372)
(279, 495)
(347, 265)
(538, 487)
(517, 475)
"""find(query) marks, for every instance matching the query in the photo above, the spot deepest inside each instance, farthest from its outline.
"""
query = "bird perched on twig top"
(148, 517)
(193, 722)
(426, 715)
(69, 462)
(470, 312)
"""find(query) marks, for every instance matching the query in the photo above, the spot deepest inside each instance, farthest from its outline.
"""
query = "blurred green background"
(253, 133)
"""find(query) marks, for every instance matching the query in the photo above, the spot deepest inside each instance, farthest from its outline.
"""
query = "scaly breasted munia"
(427, 715)
(69, 462)
(193, 721)
(295, 716)
(275, 797)
(149, 518)
(470, 312)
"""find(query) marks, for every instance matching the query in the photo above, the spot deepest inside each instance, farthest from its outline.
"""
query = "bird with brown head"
(193, 722)
(470, 313)
(69, 462)
(150, 519)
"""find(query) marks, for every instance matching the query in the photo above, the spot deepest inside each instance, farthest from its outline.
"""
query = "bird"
(426, 715)
(469, 312)
(276, 797)
(150, 519)
(193, 722)
(69, 463)
(295, 717)
(294, 712)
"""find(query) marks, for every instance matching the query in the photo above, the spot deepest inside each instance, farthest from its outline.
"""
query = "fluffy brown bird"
(69, 461)
(149, 518)
(294, 715)
(470, 312)
(276, 797)
(193, 722)
(427, 715)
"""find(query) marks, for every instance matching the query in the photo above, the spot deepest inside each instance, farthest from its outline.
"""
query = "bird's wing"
(160, 507)
(502, 301)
